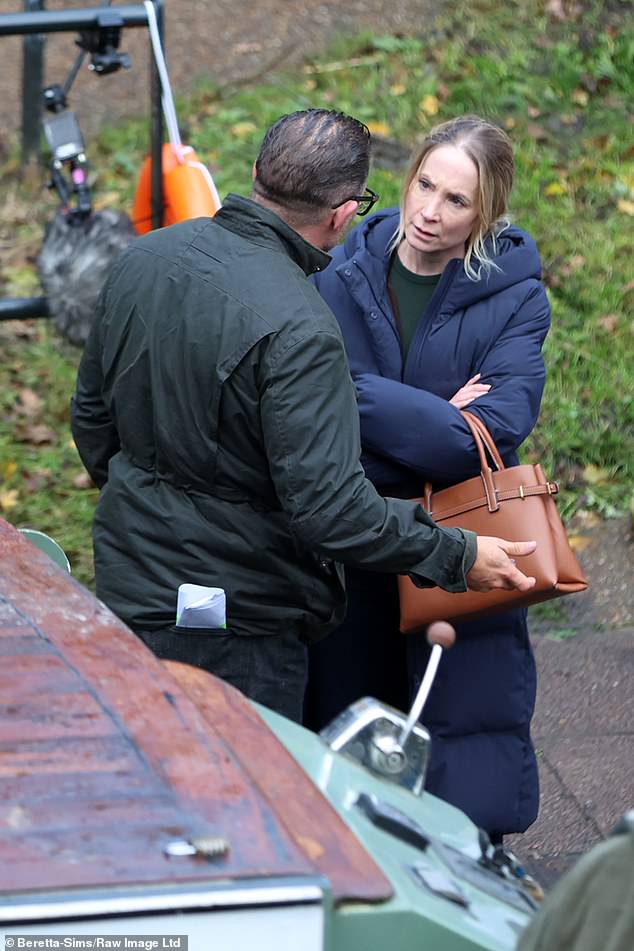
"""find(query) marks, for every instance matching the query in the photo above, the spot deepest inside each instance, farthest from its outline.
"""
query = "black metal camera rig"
(99, 31)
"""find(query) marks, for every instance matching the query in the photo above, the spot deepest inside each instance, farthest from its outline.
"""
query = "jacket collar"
(262, 226)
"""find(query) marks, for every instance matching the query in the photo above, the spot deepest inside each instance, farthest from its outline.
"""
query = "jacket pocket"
(199, 631)
(197, 646)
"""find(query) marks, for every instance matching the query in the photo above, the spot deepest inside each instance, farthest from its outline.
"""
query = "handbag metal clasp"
(522, 492)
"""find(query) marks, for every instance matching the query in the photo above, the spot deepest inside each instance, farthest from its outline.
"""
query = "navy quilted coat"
(481, 705)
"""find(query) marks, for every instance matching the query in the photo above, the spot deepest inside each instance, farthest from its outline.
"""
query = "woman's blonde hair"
(490, 150)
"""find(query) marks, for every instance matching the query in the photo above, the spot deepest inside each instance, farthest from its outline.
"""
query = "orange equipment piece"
(188, 189)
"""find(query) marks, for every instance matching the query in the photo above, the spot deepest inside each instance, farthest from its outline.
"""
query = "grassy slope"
(559, 80)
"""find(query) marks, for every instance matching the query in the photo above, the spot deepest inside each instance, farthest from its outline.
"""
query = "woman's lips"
(424, 234)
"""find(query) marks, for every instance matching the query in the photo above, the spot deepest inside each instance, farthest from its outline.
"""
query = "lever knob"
(442, 633)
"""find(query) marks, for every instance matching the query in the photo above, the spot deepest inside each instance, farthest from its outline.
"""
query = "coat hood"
(516, 256)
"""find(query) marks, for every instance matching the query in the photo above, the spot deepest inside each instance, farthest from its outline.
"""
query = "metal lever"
(390, 751)
(383, 739)
(439, 634)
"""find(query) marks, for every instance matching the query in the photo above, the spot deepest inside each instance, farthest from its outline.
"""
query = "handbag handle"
(484, 442)
(474, 422)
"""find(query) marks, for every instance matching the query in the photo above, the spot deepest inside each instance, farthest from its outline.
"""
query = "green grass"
(562, 86)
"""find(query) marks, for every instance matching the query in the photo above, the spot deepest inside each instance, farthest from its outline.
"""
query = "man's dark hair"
(313, 159)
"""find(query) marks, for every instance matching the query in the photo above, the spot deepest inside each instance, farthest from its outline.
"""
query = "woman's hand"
(470, 392)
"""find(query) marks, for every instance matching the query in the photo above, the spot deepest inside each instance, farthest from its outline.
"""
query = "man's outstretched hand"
(495, 566)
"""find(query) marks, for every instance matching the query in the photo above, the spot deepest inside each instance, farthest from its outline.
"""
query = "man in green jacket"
(215, 410)
(592, 907)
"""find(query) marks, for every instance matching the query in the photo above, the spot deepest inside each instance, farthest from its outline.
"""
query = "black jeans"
(270, 669)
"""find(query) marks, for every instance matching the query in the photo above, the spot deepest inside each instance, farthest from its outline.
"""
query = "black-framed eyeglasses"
(366, 201)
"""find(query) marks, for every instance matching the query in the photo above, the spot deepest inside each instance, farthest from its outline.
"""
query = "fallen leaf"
(552, 280)
(509, 122)
(310, 84)
(576, 261)
(568, 118)
(9, 470)
(397, 89)
(594, 475)
(563, 9)
(30, 403)
(83, 481)
(379, 128)
(579, 542)
(443, 91)
(625, 206)
(341, 65)
(580, 97)
(241, 49)
(609, 322)
(430, 105)
(555, 188)
(588, 517)
(22, 329)
(36, 481)
(240, 129)
(37, 434)
(533, 112)
(8, 499)
(601, 142)
(537, 132)
(589, 82)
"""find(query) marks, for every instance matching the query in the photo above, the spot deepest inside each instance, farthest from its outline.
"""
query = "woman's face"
(441, 209)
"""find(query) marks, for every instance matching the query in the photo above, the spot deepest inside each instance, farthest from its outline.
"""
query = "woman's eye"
(457, 201)
(423, 183)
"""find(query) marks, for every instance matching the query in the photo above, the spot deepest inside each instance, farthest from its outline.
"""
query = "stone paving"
(584, 722)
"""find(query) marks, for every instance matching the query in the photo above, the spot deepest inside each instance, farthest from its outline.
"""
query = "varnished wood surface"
(312, 823)
(107, 754)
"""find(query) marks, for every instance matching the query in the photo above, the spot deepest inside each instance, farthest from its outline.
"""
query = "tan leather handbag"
(516, 504)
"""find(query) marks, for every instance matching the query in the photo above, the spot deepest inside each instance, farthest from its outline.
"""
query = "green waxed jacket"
(592, 907)
(215, 409)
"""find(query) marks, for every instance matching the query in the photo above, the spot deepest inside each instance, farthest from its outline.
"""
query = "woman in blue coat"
(441, 307)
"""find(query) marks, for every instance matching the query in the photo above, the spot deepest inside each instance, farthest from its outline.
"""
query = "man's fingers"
(519, 582)
(515, 549)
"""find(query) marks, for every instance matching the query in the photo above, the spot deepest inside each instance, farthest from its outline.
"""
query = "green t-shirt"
(411, 293)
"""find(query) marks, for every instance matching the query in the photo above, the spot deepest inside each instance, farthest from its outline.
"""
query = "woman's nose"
(431, 209)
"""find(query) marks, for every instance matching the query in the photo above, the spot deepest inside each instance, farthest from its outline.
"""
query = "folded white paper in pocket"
(199, 606)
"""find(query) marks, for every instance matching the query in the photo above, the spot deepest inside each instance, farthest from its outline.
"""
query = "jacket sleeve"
(382, 471)
(93, 430)
(311, 432)
(418, 429)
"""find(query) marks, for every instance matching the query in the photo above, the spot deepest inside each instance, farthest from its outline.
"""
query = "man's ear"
(341, 216)
(253, 173)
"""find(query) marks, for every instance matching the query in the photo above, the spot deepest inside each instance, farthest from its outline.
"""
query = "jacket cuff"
(447, 566)
(470, 552)
(456, 581)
